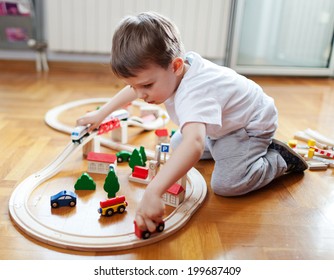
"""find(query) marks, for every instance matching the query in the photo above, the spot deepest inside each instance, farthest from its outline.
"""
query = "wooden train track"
(26, 220)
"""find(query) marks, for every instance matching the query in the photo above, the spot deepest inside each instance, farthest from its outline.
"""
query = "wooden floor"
(292, 218)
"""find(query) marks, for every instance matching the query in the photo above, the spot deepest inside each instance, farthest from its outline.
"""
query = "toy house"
(140, 174)
(174, 195)
(161, 135)
(100, 162)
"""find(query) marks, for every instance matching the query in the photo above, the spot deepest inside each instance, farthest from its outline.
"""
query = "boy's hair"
(142, 40)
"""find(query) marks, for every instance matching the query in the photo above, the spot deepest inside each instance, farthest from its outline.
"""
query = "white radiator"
(87, 26)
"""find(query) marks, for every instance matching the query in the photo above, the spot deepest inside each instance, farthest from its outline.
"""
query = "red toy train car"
(112, 205)
(145, 234)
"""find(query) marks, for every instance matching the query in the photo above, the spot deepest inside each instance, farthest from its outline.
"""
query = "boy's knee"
(228, 187)
(223, 189)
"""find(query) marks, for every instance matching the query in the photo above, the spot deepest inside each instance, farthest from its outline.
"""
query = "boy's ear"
(177, 65)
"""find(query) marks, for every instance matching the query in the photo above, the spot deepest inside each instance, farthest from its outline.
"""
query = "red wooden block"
(140, 172)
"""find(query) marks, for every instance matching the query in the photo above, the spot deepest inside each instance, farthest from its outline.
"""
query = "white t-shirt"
(222, 99)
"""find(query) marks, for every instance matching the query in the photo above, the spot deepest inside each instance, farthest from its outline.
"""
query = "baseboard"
(55, 66)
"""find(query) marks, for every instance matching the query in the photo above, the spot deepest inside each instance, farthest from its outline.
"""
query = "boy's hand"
(93, 118)
(150, 211)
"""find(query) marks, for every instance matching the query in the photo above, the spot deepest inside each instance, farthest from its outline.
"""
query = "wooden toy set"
(71, 202)
(318, 149)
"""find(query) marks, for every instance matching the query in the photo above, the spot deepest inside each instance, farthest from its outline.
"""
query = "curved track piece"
(23, 217)
(52, 115)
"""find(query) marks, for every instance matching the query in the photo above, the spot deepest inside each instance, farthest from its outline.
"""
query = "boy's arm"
(183, 158)
(123, 97)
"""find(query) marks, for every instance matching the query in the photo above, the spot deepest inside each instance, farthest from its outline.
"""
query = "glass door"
(283, 37)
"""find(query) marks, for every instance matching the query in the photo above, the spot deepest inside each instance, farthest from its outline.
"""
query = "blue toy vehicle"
(63, 198)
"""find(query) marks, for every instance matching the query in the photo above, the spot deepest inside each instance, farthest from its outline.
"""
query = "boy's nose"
(141, 94)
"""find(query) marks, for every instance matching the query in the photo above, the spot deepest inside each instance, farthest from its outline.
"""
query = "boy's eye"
(147, 86)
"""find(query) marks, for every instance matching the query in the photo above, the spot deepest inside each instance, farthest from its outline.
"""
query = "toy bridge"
(108, 125)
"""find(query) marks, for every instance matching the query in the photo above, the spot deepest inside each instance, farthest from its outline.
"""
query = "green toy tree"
(135, 159)
(143, 155)
(85, 182)
(111, 184)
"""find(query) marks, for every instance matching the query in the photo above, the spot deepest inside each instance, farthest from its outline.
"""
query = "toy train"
(112, 205)
(145, 234)
(79, 132)
(120, 114)
(108, 124)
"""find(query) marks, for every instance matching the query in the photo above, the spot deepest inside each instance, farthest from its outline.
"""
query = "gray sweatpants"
(243, 163)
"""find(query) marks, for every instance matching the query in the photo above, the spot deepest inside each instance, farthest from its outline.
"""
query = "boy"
(219, 112)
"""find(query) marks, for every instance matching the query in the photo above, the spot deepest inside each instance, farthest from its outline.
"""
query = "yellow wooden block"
(311, 142)
(310, 153)
(292, 143)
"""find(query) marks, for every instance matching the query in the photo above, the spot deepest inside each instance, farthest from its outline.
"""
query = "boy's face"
(156, 84)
